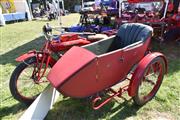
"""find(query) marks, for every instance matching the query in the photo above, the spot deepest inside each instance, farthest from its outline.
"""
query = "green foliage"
(69, 5)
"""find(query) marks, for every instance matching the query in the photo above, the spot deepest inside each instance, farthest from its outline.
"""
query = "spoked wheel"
(150, 82)
(23, 84)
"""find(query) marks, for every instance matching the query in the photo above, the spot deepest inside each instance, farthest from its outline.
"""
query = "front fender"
(34, 53)
(26, 56)
(140, 71)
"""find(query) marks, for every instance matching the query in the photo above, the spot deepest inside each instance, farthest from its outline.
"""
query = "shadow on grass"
(172, 52)
(171, 49)
(125, 110)
(73, 109)
(10, 56)
(6, 111)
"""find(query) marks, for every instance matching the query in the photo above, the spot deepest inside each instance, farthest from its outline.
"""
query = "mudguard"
(140, 70)
(26, 56)
(38, 55)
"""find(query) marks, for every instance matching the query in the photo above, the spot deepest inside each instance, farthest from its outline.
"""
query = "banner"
(8, 6)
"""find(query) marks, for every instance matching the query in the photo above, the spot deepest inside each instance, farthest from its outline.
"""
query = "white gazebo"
(21, 11)
(22, 6)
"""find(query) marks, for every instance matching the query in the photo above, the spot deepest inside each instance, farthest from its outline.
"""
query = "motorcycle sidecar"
(83, 72)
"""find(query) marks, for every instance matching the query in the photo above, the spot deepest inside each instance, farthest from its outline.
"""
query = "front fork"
(39, 71)
(42, 58)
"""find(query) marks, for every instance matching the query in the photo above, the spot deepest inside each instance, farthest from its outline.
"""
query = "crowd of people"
(51, 11)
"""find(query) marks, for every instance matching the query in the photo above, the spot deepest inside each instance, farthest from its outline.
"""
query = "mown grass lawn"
(19, 38)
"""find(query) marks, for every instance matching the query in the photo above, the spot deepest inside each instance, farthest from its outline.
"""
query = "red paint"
(80, 73)
(60, 46)
(69, 37)
(138, 1)
(26, 56)
(68, 65)
(140, 70)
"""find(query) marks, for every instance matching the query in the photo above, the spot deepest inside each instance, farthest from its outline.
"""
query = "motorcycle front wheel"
(23, 85)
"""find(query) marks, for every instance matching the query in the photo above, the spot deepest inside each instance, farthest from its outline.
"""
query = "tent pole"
(82, 6)
(59, 12)
(62, 4)
(44, 2)
(166, 8)
(30, 8)
(120, 8)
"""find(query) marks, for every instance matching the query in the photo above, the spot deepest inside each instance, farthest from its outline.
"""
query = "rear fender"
(140, 71)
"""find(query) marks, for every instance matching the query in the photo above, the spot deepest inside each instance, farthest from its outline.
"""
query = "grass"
(19, 38)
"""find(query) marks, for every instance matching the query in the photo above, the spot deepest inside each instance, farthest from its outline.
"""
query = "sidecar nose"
(69, 64)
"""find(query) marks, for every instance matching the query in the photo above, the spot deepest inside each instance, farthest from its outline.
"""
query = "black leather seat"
(131, 33)
(128, 34)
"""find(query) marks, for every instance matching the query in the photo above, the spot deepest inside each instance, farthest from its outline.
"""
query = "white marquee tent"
(21, 11)
(22, 6)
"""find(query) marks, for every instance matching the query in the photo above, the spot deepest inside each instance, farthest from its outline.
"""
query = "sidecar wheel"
(150, 81)
(22, 86)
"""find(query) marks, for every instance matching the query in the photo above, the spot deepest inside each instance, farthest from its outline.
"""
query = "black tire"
(13, 84)
(138, 100)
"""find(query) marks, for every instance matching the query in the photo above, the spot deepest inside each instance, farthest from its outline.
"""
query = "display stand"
(40, 107)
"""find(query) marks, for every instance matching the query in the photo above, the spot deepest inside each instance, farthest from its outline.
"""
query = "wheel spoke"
(27, 88)
(26, 74)
(150, 81)
(148, 70)
(149, 75)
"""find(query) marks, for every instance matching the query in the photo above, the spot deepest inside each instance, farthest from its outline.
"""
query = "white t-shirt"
(52, 8)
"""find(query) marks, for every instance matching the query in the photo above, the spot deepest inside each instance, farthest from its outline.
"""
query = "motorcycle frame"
(42, 56)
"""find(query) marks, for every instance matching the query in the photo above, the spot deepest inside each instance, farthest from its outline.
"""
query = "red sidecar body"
(85, 71)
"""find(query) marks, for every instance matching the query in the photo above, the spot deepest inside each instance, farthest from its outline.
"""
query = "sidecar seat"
(128, 34)
(131, 33)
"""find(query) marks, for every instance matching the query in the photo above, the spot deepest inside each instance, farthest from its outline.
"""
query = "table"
(14, 16)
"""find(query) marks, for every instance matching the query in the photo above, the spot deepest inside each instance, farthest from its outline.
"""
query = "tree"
(69, 4)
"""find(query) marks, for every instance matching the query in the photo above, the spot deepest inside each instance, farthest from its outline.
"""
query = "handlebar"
(47, 30)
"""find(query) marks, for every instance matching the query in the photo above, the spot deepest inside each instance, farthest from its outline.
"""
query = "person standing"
(51, 10)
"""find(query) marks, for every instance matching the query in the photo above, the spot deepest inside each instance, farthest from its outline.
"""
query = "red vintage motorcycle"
(29, 77)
